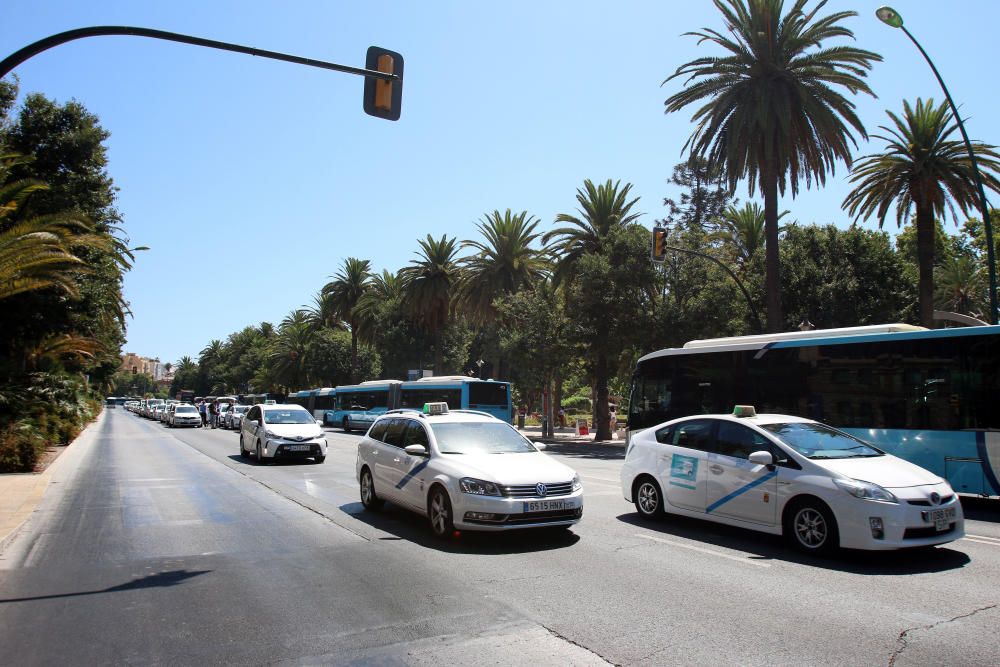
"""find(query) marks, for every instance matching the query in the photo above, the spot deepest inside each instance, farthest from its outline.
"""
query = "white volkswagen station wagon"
(466, 470)
(819, 487)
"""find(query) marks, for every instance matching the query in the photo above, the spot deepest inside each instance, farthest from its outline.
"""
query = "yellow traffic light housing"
(659, 249)
(383, 98)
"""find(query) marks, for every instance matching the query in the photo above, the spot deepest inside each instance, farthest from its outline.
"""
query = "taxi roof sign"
(435, 408)
(744, 411)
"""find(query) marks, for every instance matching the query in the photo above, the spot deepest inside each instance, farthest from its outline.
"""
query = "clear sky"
(251, 180)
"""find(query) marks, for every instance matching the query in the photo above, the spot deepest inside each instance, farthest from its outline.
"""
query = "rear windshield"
(185, 408)
(819, 441)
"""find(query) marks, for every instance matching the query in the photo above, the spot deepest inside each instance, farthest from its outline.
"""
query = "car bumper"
(492, 513)
(186, 422)
(904, 525)
(285, 450)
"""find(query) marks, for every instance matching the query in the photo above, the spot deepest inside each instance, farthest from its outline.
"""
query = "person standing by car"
(202, 412)
(213, 410)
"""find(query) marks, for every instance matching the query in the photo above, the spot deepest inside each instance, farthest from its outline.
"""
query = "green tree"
(741, 232)
(346, 290)
(288, 358)
(961, 287)
(430, 283)
(770, 110)
(329, 360)
(922, 168)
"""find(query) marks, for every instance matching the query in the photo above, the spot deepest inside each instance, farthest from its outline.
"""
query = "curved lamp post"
(892, 18)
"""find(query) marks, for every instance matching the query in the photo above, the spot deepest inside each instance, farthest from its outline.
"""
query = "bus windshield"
(818, 441)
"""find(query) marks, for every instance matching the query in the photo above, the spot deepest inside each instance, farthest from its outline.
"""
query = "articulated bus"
(316, 401)
(357, 406)
(930, 397)
(460, 393)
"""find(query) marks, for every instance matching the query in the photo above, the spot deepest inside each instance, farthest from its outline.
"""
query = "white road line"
(984, 537)
(973, 539)
(738, 559)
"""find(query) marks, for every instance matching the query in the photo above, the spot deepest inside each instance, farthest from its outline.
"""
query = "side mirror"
(253, 422)
(540, 446)
(416, 450)
(319, 423)
(762, 458)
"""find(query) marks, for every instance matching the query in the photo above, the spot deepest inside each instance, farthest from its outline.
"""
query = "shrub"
(576, 404)
(20, 448)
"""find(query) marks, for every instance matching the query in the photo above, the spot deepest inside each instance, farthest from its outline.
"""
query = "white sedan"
(464, 470)
(819, 487)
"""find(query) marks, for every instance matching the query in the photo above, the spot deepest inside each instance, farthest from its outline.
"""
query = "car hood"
(886, 471)
(305, 431)
(508, 469)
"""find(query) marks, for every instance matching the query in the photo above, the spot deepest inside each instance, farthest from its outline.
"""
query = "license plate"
(942, 518)
(548, 505)
(297, 448)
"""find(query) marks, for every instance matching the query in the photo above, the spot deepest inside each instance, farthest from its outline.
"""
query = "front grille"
(530, 490)
(926, 503)
(314, 450)
(920, 533)
(532, 518)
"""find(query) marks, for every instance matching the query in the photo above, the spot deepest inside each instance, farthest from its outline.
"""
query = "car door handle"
(716, 469)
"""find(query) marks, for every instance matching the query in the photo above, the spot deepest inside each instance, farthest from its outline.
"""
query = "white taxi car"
(281, 432)
(465, 470)
(819, 487)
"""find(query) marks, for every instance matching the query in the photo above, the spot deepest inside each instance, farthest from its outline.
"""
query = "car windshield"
(819, 441)
(287, 417)
(480, 438)
(240, 409)
(184, 409)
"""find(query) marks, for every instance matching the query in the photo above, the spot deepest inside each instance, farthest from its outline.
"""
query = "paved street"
(163, 546)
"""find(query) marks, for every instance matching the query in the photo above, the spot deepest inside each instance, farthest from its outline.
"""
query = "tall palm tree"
(290, 349)
(384, 288)
(742, 230)
(430, 285)
(770, 111)
(502, 263)
(347, 288)
(922, 168)
(602, 208)
(959, 285)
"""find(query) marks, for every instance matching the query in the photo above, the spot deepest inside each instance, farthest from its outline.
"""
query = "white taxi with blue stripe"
(819, 487)
(464, 470)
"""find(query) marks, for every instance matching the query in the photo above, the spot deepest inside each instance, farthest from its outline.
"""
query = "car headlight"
(865, 490)
(478, 487)
(577, 484)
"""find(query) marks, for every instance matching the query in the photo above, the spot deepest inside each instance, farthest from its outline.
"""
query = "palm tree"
(384, 288)
(345, 291)
(742, 230)
(959, 285)
(430, 284)
(770, 112)
(602, 208)
(922, 169)
(289, 350)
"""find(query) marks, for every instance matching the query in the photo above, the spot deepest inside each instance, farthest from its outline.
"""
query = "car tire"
(346, 425)
(320, 459)
(439, 513)
(369, 499)
(811, 527)
(243, 453)
(648, 498)
(260, 454)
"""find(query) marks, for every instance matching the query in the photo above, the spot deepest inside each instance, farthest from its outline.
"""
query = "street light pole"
(892, 18)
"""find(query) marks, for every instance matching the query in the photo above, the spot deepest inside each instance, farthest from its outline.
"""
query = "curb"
(21, 493)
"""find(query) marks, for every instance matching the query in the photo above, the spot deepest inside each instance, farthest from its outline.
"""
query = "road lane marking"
(710, 552)
(983, 539)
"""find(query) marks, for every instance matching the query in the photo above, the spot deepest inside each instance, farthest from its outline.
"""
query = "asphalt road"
(163, 546)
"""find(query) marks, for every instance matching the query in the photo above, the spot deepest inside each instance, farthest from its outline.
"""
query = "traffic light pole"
(18, 57)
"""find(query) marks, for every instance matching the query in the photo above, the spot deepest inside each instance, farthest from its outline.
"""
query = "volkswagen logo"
(935, 498)
(541, 490)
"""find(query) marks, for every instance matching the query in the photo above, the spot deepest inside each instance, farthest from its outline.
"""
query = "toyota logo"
(540, 489)
(299, 438)
(935, 498)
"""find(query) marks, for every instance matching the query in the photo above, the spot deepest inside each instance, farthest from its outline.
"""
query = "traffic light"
(383, 99)
(659, 252)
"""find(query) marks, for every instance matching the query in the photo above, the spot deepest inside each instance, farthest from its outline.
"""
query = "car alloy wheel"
(812, 528)
(439, 512)
(369, 499)
(648, 500)
(260, 453)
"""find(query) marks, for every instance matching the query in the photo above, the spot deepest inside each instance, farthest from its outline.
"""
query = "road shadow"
(404, 525)
(587, 450)
(765, 547)
(981, 509)
(158, 580)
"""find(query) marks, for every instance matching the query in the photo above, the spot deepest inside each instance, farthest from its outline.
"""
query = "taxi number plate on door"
(942, 518)
(548, 505)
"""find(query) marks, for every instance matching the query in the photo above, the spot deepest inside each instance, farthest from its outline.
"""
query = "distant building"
(134, 364)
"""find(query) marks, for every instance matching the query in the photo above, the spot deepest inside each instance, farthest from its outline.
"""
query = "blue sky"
(251, 180)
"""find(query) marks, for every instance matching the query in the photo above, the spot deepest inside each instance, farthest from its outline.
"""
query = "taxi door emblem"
(767, 497)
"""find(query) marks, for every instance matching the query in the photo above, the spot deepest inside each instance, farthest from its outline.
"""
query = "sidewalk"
(568, 435)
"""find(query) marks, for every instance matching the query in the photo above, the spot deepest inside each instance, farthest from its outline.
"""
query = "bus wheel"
(346, 425)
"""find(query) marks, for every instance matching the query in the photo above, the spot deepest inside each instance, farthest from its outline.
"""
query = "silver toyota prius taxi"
(819, 487)
(464, 470)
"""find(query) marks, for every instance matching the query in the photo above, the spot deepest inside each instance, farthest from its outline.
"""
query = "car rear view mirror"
(319, 423)
(540, 446)
(762, 458)
(416, 450)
